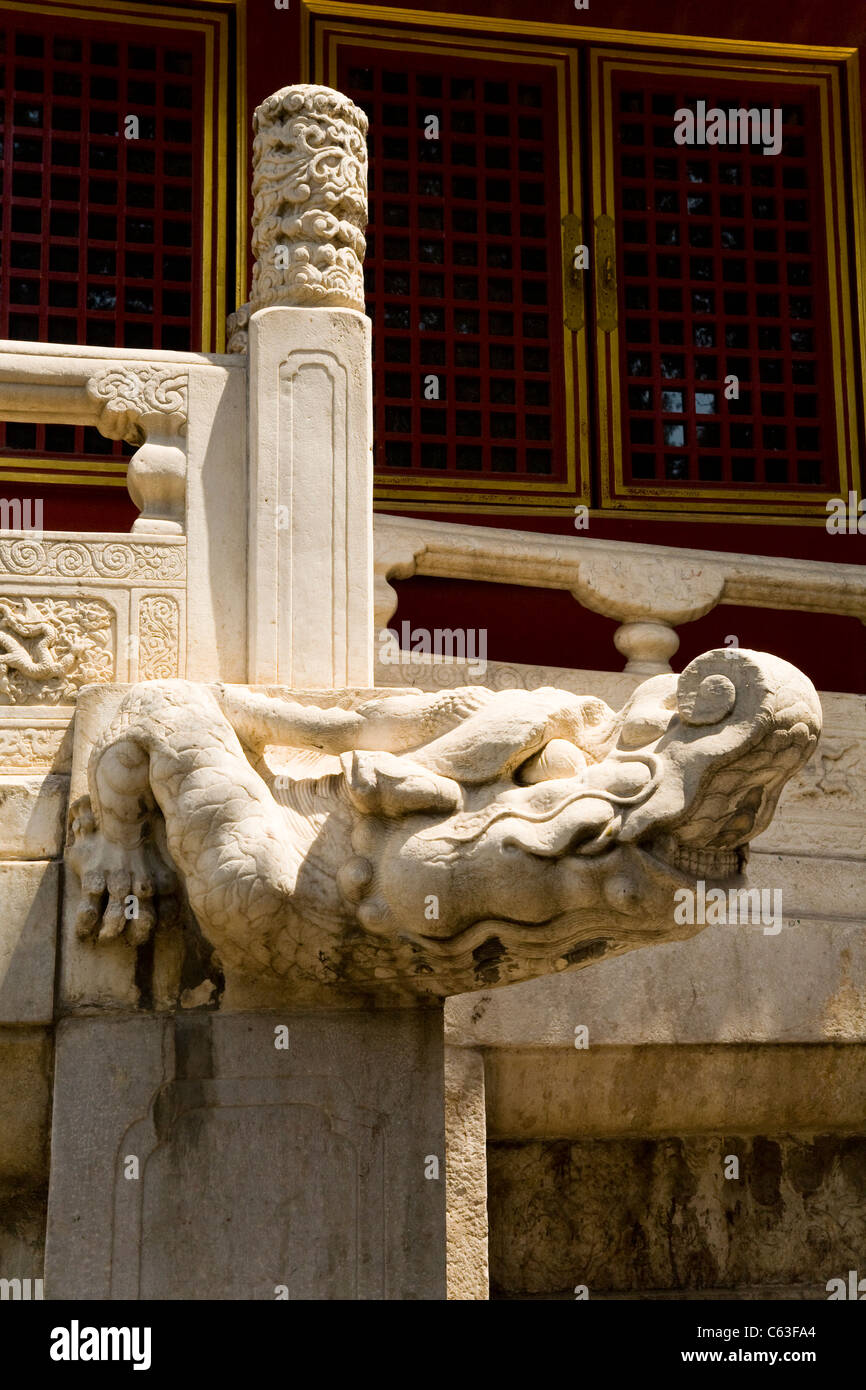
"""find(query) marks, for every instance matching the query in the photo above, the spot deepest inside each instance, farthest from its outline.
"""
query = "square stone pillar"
(256, 1156)
(311, 499)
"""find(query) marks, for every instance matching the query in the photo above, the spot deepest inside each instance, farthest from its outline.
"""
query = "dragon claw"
(125, 892)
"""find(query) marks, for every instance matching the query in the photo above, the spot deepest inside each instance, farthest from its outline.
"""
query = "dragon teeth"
(701, 862)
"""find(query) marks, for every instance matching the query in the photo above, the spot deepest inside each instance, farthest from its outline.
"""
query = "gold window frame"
(839, 194)
(213, 24)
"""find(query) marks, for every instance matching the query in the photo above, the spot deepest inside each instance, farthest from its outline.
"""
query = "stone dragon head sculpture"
(412, 846)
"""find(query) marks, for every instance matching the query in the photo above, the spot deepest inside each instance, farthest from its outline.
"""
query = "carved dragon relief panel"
(822, 808)
(835, 770)
(51, 647)
(114, 608)
(33, 746)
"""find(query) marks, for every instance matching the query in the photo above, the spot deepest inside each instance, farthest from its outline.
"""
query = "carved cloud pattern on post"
(158, 637)
(132, 398)
(310, 200)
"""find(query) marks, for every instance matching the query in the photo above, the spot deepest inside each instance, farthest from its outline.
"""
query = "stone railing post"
(148, 406)
(311, 479)
(320, 1121)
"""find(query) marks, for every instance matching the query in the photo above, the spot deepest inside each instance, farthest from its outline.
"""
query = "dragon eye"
(713, 699)
(643, 727)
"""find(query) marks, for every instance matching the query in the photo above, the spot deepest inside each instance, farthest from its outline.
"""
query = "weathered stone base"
(25, 1100)
(656, 1217)
(465, 1138)
(263, 1171)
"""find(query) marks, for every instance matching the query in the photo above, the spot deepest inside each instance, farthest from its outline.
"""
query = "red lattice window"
(463, 266)
(722, 273)
(101, 233)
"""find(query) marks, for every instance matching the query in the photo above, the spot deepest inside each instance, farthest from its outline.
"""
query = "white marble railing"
(178, 410)
(648, 589)
(142, 397)
(170, 599)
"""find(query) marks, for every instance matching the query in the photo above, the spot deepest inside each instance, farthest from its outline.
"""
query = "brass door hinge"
(605, 273)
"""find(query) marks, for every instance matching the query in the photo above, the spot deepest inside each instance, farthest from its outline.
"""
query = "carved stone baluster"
(648, 647)
(147, 405)
(649, 596)
(394, 558)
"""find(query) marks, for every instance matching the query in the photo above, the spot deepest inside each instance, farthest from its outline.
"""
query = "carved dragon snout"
(743, 724)
(589, 838)
(423, 845)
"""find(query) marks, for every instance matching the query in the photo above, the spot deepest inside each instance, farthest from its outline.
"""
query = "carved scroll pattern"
(128, 395)
(158, 638)
(133, 560)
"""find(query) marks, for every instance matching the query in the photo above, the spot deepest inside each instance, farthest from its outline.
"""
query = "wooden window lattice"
(721, 249)
(462, 267)
(100, 242)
